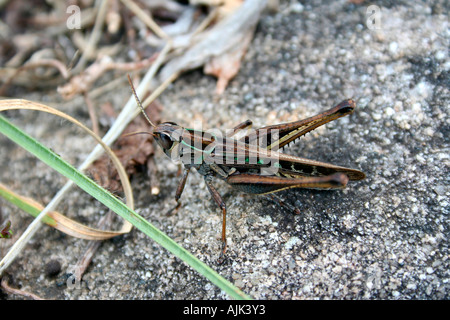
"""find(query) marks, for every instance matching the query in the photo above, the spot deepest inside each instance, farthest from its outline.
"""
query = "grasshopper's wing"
(247, 158)
(277, 136)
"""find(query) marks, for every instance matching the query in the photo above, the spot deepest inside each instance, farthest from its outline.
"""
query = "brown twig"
(145, 18)
(92, 247)
(40, 63)
(92, 114)
(94, 37)
(82, 83)
(24, 293)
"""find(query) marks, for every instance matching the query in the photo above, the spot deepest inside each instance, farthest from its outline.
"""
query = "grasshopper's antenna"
(139, 102)
(136, 132)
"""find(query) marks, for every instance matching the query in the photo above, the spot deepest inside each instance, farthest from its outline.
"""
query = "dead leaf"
(226, 66)
(229, 38)
(134, 152)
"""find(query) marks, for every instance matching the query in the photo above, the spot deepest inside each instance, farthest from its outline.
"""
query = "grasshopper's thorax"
(176, 141)
(189, 146)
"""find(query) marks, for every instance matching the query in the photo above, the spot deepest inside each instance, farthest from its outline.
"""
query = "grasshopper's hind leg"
(257, 184)
(244, 125)
(275, 198)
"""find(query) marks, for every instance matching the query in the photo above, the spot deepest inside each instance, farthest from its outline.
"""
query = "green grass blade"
(17, 201)
(57, 163)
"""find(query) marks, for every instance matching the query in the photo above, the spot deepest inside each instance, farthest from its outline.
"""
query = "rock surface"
(385, 237)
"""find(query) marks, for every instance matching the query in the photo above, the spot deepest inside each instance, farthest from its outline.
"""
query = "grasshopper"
(251, 163)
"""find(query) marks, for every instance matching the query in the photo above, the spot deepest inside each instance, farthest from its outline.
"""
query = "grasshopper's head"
(168, 136)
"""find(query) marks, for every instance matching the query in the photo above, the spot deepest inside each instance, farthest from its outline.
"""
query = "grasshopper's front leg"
(180, 189)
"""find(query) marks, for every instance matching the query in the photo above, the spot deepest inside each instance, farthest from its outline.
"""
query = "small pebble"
(52, 268)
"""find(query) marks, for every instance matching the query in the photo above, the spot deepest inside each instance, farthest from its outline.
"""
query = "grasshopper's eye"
(165, 141)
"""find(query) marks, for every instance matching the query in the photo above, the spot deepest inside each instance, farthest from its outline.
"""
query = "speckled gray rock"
(382, 238)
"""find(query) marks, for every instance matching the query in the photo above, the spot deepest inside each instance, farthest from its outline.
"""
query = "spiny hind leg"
(277, 199)
(269, 185)
(244, 125)
(259, 184)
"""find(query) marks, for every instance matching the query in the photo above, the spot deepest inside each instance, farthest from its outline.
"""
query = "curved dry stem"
(145, 18)
(95, 36)
(55, 219)
(33, 227)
